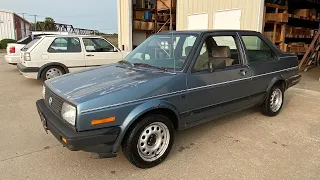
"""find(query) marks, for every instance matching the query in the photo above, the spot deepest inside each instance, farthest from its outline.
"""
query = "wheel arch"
(278, 80)
(155, 106)
(65, 68)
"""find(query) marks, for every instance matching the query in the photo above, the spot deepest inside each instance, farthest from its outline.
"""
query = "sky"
(98, 15)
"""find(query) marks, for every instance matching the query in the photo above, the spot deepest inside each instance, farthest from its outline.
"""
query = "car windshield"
(26, 47)
(165, 51)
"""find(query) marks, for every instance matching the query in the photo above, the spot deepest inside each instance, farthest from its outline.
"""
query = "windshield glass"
(25, 40)
(167, 51)
(26, 47)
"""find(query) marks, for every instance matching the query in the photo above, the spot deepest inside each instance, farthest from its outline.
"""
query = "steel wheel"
(153, 141)
(53, 72)
(276, 100)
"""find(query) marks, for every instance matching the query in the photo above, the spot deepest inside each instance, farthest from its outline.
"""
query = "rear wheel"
(273, 102)
(52, 72)
(149, 142)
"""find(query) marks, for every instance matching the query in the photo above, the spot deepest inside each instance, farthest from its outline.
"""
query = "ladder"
(311, 57)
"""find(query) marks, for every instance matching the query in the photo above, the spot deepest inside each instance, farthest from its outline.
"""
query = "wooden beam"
(311, 47)
(276, 6)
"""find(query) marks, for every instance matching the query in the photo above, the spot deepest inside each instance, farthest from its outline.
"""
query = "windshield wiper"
(126, 62)
(150, 66)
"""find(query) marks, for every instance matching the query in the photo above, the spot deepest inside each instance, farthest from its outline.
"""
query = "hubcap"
(153, 141)
(276, 100)
(52, 73)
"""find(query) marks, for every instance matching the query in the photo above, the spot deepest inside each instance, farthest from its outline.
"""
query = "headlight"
(68, 113)
(43, 91)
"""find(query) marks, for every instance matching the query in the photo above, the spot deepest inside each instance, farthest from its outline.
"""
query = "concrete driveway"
(246, 145)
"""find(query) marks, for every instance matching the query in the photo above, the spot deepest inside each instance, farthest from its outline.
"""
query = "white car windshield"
(167, 51)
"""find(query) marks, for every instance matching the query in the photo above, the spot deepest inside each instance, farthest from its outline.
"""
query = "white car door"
(99, 51)
(67, 51)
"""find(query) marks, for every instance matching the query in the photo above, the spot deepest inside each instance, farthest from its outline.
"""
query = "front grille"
(56, 103)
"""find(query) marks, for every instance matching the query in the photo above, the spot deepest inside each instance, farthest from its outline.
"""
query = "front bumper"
(293, 80)
(97, 141)
(12, 59)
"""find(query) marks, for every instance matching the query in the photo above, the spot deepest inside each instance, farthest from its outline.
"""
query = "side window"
(97, 45)
(218, 52)
(257, 49)
(65, 45)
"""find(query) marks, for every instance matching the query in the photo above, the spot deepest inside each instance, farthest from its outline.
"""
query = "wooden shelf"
(144, 9)
(276, 6)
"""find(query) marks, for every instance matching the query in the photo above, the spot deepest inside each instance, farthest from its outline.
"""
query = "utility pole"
(23, 15)
(35, 21)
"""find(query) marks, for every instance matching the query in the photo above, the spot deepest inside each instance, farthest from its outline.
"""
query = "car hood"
(119, 83)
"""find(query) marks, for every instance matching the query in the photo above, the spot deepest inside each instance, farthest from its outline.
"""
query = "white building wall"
(125, 25)
(7, 29)
(250, 19)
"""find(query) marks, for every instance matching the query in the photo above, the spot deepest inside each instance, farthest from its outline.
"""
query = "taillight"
(12, 50)
(27, 56)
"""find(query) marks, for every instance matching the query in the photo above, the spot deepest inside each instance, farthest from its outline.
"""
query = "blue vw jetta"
(172, 81)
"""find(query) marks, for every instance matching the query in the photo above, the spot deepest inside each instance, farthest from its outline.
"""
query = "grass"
(113, 39)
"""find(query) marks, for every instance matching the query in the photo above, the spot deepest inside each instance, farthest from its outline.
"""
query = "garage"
(291, 25)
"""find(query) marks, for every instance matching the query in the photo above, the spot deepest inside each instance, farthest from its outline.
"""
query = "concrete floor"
(246, 145)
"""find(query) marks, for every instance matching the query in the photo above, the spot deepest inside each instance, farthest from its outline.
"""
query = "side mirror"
(115, 49)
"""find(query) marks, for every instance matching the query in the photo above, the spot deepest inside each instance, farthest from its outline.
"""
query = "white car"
(13, 49)
(50, 56)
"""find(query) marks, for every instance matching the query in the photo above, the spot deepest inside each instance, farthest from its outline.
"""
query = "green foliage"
(4, 43)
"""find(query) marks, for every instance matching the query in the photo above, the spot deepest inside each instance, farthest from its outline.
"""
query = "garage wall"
(7, 29)
(251, 11)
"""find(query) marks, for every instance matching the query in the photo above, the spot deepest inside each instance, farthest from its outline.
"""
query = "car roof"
(205, 31)
(69, 35)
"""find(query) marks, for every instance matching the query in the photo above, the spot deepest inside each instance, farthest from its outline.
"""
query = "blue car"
(172, 81)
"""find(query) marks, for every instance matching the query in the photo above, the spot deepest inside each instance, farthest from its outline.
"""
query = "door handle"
(89, 55)
(243, 72)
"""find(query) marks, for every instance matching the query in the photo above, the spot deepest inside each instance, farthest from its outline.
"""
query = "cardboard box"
(166, 4)
(269, 35)
(277, 17)
(147, 25)
(164, 28)
(136, 24)
(139, 14)
(302, 12)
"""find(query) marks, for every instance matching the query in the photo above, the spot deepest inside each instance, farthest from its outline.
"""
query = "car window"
(25, 40)
(168, 51)
(218, 52)
(30, 44)
(257, 49)
(97, 45)
(65, 45)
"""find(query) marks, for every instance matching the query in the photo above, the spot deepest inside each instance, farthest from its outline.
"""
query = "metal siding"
(250, 15)
(7, 29)
(124, 25)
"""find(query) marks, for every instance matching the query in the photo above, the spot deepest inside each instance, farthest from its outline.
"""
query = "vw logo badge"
(50, 101)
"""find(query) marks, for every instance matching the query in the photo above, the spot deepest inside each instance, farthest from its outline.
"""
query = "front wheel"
(149, 142)
(273, 102)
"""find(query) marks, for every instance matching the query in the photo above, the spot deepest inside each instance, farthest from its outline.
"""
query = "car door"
(100, 52)
(263, 59)
(67, 51)
(226, 87)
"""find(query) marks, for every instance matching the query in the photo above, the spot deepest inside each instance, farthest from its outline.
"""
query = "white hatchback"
(50, 56)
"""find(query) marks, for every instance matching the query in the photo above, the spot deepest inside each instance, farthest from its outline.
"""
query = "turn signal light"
(64, 140)
(102, 121)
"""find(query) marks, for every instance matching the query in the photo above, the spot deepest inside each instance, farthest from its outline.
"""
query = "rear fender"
(138, 112)
(274, 81)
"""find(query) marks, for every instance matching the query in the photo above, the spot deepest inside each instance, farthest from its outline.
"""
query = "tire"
(273, 102)
(54, 69)
(155, 130)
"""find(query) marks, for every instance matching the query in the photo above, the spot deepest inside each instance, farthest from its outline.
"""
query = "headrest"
(221, 51)
(188, 49)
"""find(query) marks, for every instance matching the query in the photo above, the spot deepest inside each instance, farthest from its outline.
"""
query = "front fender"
(138, 112)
